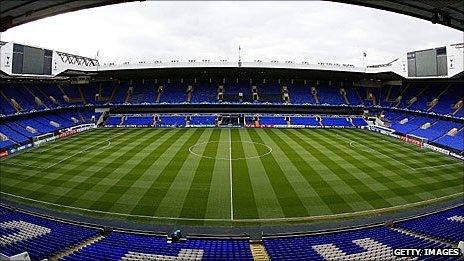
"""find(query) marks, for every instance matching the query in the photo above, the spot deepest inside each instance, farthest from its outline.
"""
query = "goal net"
(412, 139)
(43, 138)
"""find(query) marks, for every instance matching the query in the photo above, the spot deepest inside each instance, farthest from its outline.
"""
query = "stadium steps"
(76, 248)
(419, 235)
(359, 96)
(436, 100)
(50, 97)
(315, 95)
(345, 98)
(416, 97)
(71, 99)
(37, 100)
(129, 93)
(9, 101)
(258, 251)
(398, 99)
(79, 88)
(458, 106)
(110, 100)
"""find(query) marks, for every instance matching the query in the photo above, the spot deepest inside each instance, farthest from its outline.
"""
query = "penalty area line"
(369, 149)
(60, 161)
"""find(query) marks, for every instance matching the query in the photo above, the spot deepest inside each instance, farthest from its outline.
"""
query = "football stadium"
(231, 160)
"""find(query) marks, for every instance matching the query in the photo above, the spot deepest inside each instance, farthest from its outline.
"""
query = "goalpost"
(413, 139)
(38, 140)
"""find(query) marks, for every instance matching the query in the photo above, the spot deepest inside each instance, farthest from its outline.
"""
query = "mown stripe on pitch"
(435, 174)
(219, 200)
(150, 201)
(152, 170)
(38, 156)
(326, 192)
(398, 147)
(265, 197)
(410, 192)
(116, 191)
(418, 155)
(288, 199)
(196, 201)
(393, 142)
(393, 183)
(55, 153)
(365, 167)
(243, 197)
(36, 184)
(358, 185)
(41, 178)
(414, 158)
(87, 185)
(172, 203)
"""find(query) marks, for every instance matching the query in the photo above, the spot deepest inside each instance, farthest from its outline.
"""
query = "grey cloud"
(313, 31)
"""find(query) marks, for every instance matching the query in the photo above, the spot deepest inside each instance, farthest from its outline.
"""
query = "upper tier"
(438, 98)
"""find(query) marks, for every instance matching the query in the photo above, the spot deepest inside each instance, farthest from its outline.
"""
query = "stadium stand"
(359, 122)
(139, 120)
(40, 237)
(300, 94)
(455, 142)
(330, 94)
(272, 120)
(129, 246)
(114, 120)
(204, 93)
(307, 121)
(446, 225)
(203, 120)
(408, 124)
(374, 243)
(171, 121)
(22, 98)
(336, 122)
(430, 99)
(43, 238)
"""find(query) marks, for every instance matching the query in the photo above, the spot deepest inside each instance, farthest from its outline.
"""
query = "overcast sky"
(311, 31)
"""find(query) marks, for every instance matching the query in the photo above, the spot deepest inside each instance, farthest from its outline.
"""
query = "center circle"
(261, 149)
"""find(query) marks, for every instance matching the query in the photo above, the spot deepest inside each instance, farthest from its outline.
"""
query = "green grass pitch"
(229, 175)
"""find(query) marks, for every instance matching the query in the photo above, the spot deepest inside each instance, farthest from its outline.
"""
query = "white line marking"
(376, 151)
(230, 177)
(60, 161)
(419, 168)
(438, 166)
(320, 217)
(23, 165)
(79, 152)
(229, 158)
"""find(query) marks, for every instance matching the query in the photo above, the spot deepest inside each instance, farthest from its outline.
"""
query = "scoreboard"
(31, 60)
(428, 63)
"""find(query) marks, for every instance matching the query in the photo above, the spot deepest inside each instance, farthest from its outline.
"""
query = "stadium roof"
(18, 12)
(446, 12)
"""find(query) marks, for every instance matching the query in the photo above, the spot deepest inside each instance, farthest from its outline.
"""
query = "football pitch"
(202, 175)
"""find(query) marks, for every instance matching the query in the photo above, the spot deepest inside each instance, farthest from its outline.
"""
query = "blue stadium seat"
(272, 120)
(203, 120)
(40, 237)
(139, 120)
(374, 243)
(445, 225)
(336, 122)
(120, 244)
